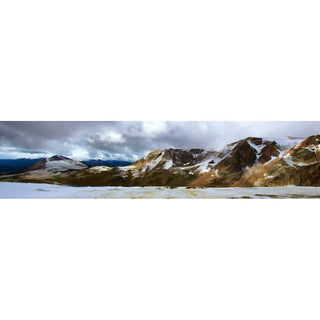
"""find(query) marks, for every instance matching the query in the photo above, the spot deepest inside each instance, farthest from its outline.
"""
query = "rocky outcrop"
(269, 151)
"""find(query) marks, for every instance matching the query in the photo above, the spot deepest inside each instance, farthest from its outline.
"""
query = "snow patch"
(168, 165)
(288, 159)
(313, 148)
(63, 165)
(151, 165)
(11, 190)
(100, 169)
(255, 147)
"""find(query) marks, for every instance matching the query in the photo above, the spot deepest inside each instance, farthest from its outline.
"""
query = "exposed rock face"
(184, 157)
(248, 162)
(231, 167)
(270, 150)
(60, 158)
(242, 155)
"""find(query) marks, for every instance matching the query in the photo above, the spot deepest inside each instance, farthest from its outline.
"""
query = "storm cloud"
(127, 140)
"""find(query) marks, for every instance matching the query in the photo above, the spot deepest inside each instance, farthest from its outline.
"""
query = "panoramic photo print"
(159, 159)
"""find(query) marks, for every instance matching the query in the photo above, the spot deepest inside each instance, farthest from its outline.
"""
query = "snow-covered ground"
(10, 190)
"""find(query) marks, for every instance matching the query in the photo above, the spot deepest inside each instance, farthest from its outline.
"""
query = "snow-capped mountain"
(57, 163)
(252, 161)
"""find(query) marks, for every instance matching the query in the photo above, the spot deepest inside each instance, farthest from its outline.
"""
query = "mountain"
(14, 166)
(253, 161)
(46, 169)
(300, 166)
(235, 159)
(57, 164)
(160, 167)
(108, 163)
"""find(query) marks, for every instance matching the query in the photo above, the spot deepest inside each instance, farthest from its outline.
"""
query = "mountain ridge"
(250, 162)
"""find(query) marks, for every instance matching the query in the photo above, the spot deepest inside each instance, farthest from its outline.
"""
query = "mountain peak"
(312, 140)
(58, 157)
(57, 163)
(255, 140)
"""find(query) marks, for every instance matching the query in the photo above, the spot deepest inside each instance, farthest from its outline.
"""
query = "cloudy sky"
(131, 140)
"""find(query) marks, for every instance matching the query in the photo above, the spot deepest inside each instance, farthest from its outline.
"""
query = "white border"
(143, 259)
(174, 60)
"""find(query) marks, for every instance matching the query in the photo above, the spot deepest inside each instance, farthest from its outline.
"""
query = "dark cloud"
(131, 140)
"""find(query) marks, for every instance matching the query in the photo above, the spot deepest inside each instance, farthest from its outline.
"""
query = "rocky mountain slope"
(247, 162)
(299, 166)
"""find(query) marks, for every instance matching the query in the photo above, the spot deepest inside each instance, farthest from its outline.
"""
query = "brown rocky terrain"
(271, 149)
(298, 166)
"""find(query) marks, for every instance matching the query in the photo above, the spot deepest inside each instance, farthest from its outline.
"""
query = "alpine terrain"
(250, 162)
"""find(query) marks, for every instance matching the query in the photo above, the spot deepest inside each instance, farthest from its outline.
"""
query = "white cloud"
(123, 139)
(13, 153)
(79, 153)
(108, 137)
(154, 128)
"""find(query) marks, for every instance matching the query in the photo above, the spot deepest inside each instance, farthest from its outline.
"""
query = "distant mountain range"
(249, 162)
(108, 163)
(9, 166)
(13, 166)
